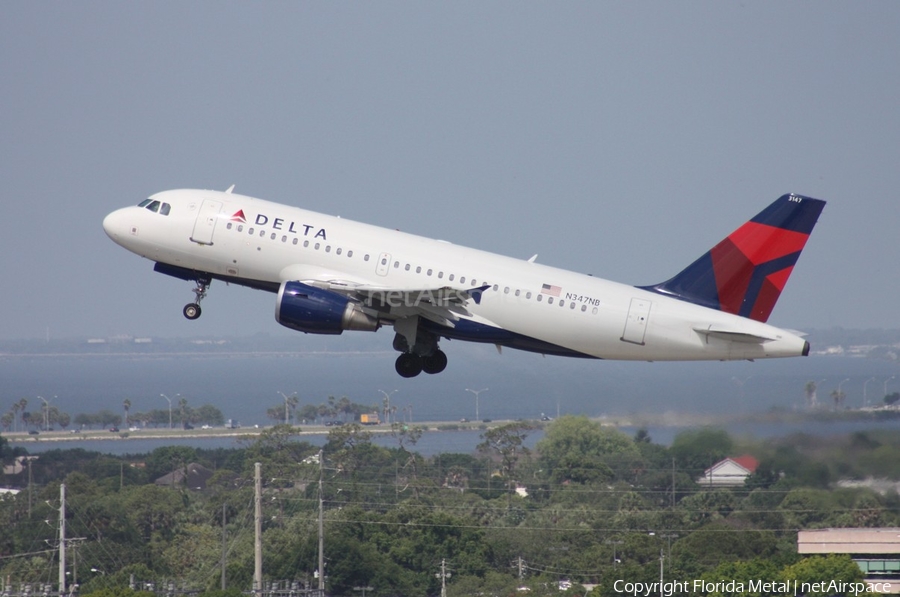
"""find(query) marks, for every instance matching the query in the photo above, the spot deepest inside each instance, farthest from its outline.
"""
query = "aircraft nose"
(114, 225)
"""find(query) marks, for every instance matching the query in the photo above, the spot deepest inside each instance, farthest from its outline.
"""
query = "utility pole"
(443, 575)
(223, 545)
(257, 542)
(62, 539)
(521, 566)
(29, 458)
(661, 593)
(321, 525)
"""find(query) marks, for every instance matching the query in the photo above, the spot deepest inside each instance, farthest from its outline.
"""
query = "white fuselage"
(243, 238)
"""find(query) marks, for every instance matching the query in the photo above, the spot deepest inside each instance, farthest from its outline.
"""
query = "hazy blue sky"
(621, 139)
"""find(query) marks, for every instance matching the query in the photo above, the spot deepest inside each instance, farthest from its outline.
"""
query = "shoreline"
(667, 420)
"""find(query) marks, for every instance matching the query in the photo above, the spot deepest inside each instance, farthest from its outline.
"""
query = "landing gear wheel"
(408, 364)
(192, 311)
(435, 362)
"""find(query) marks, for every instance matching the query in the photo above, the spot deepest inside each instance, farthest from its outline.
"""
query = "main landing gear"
(409, 364)
(192, 310)
(423, 356)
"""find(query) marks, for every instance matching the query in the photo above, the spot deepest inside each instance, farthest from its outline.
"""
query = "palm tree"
(127, 404)
(345, 407)
(23, 404)
(182, 405)
(838, 397)
(810, 389)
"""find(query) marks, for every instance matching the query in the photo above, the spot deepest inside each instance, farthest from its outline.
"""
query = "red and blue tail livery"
(745, 273)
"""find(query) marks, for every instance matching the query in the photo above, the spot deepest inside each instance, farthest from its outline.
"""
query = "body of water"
(465, 441)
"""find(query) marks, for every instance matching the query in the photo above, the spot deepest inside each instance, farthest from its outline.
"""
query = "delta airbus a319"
(330, 274)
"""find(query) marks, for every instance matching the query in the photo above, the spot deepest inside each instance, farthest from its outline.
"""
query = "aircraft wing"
(441, 304)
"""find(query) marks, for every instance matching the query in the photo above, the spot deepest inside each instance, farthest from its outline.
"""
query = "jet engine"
(315, 311)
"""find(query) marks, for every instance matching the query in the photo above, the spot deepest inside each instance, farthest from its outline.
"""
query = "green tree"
(823, 569)
(579, 450)
(698, 449)
(508, 443)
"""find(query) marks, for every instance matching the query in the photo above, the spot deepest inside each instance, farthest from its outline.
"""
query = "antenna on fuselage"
(533, 257)
(228, 191)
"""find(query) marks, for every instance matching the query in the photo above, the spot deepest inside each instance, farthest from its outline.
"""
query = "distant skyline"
(618, 139)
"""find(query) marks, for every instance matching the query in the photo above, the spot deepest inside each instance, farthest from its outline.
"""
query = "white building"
(731, 472)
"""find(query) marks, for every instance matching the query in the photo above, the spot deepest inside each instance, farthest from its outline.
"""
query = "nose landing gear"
(192, 310)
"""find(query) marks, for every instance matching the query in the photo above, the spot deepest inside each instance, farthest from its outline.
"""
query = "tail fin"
(745, 273)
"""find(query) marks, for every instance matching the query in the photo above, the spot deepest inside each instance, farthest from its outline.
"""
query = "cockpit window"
(156, 206)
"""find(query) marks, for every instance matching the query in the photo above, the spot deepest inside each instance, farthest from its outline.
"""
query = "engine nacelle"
(315, 311)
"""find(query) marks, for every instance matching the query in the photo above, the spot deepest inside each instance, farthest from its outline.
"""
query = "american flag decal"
(550, 289)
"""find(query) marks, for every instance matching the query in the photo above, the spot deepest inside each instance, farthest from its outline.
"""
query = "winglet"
(476, 293)
(745, 273)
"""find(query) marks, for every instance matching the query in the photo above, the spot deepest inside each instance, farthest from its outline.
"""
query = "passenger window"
(583, 308)
(338, 252)
(428, 272)
(305, 244)
(366, 258)
(462, 279)
(440, 274)
(250, 231)
(407, 267)
(527, 295)
(240, 227)
(594, 310)
(474, 283)
(164, 209)
(262, 233)
(396, 264)
(540, 297)
(273, 236)
(496, 287)
(419, 269)
(518, 292)
(328, 248)
(549, 300)
(228, 226)
(451, 277)
(284, 238)
(316, 247)
(506, 290)
(350, 253)
(295, 241)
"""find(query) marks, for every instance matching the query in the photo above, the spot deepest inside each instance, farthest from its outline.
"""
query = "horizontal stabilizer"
(732, 335)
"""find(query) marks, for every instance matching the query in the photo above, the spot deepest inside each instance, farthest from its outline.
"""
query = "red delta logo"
(281, 224)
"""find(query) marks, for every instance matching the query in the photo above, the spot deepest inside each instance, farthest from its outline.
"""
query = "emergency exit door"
(636, 322)
(206, 222)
